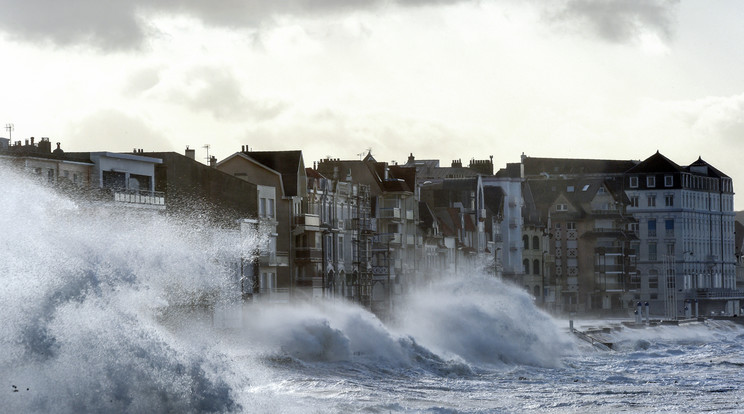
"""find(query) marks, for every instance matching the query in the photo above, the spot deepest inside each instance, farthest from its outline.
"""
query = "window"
(341, 247)
(633, 182)
(668, 181)
(651, 201)
(262, 207)
(535, 267)
(652, 251)
(570, 189)
(561, 207)
(653, 279)
(669, 227)
(652, 228)
(670, 249)
(535, 243)
(651, 181)
(586, 187)
(570, 225)
(526, 264)
(270, 208)
(634, 201)
(525, 242)
(669, 200)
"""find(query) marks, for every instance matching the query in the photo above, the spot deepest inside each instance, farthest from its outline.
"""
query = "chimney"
(45, 147)
(212, 161)
(32, 141)
(190, 153)
(411, 159)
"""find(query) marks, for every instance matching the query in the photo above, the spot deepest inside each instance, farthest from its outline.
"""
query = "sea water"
(107, 310)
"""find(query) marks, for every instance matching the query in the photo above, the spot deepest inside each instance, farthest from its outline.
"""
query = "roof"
(656, 163)
(372, 173)
(699, 166)
(571, 166)
(287, 163)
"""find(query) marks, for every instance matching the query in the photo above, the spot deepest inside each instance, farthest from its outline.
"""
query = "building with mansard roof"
(686, 219)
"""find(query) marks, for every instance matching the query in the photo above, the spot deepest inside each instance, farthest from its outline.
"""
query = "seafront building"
(687, 241)
(586, 236)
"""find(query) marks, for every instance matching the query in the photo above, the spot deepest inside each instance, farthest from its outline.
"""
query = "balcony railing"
(274, 295)
(308, 253)
(390, 213)
(308, 220)
(139, 197)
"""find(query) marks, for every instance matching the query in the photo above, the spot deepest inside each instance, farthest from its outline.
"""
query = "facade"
(337, 250)
(198, 190)
(687, 240)
(537, 257)
(284, 171)
(53, 167)
(396, 245)
(509, 258)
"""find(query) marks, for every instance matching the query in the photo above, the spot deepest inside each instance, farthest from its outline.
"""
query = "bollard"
(639, 313)
(570, 325)
(648, 313)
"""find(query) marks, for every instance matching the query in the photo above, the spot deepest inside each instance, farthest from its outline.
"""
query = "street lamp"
(543, 276)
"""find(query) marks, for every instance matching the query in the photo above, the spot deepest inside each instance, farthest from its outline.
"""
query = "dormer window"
(668, 181)
(561, 207)
(633, 182)
(651, 181)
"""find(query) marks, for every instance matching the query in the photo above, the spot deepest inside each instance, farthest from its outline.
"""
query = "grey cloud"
(616, 20)
(118, 25)
(104, 24)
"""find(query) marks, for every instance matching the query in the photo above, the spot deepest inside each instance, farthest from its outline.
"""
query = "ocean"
(123, 311)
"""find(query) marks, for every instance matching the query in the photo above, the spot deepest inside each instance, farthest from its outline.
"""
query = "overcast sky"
(614, 79)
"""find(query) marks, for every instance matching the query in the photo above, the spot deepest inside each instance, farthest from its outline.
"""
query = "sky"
(442, 79)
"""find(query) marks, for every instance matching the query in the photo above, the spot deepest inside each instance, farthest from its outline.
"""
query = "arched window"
(526, 264)
(537, 291)
(536, 267)
(536, 243)
(526, 241)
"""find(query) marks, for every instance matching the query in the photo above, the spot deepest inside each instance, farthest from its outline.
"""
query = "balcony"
(140, 198)
(390, 213)
(273, 259)
(311, 220)
(274, 295)
(609, 283)
(312, 254)
(362, 224)
(610, 268)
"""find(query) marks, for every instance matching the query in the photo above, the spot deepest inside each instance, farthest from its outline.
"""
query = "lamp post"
(542, 285)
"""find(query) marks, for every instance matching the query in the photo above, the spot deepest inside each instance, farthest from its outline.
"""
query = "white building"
(686, 236)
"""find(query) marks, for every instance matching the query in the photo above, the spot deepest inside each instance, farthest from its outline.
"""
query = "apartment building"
(687, 239)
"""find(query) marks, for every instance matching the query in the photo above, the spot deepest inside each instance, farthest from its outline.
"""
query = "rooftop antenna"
(10, 128)
(206, 146)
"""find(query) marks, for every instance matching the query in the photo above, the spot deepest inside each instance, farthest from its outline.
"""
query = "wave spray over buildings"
(114, 311)
(111, 310)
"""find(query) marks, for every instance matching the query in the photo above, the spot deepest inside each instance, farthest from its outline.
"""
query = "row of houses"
(587, 236)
